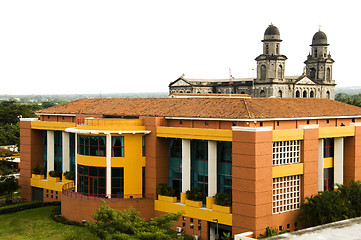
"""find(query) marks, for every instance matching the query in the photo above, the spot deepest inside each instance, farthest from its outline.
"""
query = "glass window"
(91, 145)
(175, 165)
(328, 178)
(117, 182)
(224, 167)
(199, 166)
(117, 146)
(91, 181)
(58, 151)
(72, 151)
(45, 152)
(328, 147)
(143, 146)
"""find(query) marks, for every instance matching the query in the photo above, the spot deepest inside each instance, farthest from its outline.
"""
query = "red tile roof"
(227, 108)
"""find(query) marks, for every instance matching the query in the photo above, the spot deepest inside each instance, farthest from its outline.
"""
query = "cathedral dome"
(272, 32)
(319, 38)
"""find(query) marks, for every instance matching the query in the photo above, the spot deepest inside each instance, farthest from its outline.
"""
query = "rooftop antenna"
(319, 27)
(230, 82)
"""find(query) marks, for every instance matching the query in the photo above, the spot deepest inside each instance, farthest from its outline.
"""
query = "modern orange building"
(270, 153)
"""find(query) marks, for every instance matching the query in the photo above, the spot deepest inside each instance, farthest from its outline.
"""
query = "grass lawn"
(37, 224)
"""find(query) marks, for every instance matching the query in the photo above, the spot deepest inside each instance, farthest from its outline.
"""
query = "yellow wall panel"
(328, 162)
(55, 126)
(45, 184)
(332, 132)
(287, 135)
(287, 170)
(195, 133)
(193, 212)
(91, 161)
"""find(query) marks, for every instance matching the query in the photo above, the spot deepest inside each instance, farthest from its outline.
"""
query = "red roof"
(226, 108)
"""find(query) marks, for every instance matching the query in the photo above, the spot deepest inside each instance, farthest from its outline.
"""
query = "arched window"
(328, 94)
(262, 93)
(312, 94)
(267, 49)
(277, 49)
(243, 92)
(280, 72)
(279, 94)
(315, 52)
(328, 74)
(304, 93)
(297, 94)
(263, 72)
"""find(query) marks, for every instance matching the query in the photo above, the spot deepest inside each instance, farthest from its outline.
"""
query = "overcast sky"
(57, 47)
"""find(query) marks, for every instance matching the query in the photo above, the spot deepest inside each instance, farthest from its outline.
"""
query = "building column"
(212, 168)
(66, 151)
(76, 162)
(320, 165)
(50, 151)
(251, 179)
(338, 160)
(186, 165)
(108, 170)
(352, 157)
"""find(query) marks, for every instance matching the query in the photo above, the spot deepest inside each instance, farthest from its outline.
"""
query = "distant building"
(315, 82)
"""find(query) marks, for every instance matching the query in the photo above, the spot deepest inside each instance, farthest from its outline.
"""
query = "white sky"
(73, 46)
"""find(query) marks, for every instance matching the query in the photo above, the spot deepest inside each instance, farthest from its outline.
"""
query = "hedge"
(24, 206)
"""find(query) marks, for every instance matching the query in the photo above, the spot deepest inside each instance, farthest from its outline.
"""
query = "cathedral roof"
(319, 39)
(272, 30)
(213, 108)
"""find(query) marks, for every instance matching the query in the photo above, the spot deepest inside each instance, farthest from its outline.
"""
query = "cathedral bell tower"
(319, 62)
(271, 64)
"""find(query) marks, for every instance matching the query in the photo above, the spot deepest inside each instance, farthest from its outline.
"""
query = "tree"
(8, 185)
(326, 207)
(352, 196)
(124, 225)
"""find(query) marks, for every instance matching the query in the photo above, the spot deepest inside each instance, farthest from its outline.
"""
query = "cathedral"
(315, 82)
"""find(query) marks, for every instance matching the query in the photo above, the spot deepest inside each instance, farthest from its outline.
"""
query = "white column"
(320, 165)
(186, 165)
(108, 169)
(66, 151)
(76, 162)
(50, 150)
(212, 168)
(338, 160)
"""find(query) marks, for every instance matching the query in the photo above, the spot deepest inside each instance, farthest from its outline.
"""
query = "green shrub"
(352, 196)
(326, 207)
(56, 216)
(194, 194)
(223, 198)
(69, 175)
(166, 190)
(24, 206)
(38, 169)
(271, 232)
(54, 174)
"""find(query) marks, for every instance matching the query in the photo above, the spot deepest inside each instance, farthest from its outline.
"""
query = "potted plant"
(68, 176)
(166, 193)
(223, 202)
(54, 176)
(194, 198)
(37, 172)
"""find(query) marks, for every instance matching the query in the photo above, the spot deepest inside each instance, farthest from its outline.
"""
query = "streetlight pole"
(217, 234)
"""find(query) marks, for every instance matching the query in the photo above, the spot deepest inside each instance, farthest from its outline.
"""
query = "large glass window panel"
(117, 146)
(175, 165)
(90, 181)
(117, 182)
(199, 166)
(58, 151)
(91, 145)
(224, 166)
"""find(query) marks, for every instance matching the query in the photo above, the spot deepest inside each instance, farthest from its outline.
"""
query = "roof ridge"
(246, 106)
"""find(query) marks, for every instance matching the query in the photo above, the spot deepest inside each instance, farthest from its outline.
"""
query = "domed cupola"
(319, 39)
(272, 33)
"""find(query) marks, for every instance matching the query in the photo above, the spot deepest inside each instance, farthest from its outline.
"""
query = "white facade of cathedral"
(316, 81)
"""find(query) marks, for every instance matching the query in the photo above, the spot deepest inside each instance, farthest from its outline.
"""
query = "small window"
(328, 121)
(280, 228)
(288, 225)
(180, 122)
(278, 123)
(191, 220)
(199, 228)
(143, 146)
(234, 123)
(183, 224)
(353, 120)
(308, 121)
(206, 123)
(261, 124)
